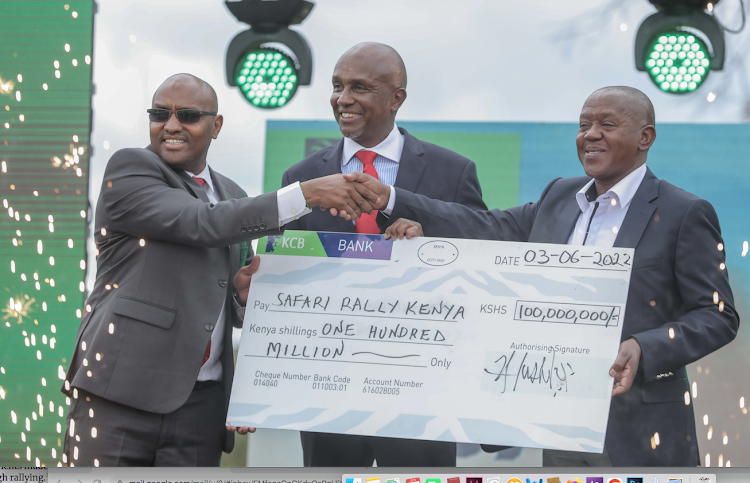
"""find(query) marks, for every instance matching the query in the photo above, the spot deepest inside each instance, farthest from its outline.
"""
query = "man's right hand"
(338, 194)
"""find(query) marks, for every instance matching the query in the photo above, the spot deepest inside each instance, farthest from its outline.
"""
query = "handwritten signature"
(545, 372)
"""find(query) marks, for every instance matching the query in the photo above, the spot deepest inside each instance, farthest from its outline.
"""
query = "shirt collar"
(390, 148)
(623, 192)
(206, 175)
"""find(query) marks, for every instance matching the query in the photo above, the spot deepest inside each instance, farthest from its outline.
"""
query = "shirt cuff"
(240, 309)
(291, 203)
(391, 202)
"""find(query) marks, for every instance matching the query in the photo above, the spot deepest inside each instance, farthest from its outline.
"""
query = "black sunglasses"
(185, 116)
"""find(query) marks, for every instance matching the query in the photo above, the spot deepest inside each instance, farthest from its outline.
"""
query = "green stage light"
(677, 61)
(267, 78)
(269, 61)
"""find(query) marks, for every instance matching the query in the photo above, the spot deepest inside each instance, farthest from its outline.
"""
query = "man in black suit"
(152, 366)
(680, 306)
(369, 86)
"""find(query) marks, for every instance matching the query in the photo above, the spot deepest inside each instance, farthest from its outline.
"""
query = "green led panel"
(45, 123)
(677, 62)
(267, 78)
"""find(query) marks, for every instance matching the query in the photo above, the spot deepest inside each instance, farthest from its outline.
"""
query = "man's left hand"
(241, 430)
(403, 228)
(242, 279)
(626, 366)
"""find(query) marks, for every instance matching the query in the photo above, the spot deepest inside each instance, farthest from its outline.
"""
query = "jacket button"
(243, 230)
(262, 226)
(256, 228)
(222, 282)
(209, 327)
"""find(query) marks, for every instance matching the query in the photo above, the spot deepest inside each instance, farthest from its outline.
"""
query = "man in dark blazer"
(152, 367)
(679, 306)
(369, 86)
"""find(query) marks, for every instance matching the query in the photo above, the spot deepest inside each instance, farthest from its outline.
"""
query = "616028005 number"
(393, 391)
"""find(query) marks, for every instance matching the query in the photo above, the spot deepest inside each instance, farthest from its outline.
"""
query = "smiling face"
(368, 89)
(184, 146)
(613, 137)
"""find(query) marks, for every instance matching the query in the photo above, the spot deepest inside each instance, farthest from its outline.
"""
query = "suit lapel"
(639, 212)
(193, 186)
(412, 164)
(331, 164)
(224, 195)
(566, 221)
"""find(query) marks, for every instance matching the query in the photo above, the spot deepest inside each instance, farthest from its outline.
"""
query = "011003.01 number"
(327, 386)
(391, 391)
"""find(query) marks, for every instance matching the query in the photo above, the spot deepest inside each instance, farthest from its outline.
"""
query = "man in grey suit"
(680, 306)
(369, 87)
(153, 363)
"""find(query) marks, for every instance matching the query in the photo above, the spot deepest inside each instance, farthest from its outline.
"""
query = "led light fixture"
(268, 62)
(679, 45)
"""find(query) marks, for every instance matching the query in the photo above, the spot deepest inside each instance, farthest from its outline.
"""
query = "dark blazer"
(433, 172)
(675, 274)
(450, 177)
(166, 262)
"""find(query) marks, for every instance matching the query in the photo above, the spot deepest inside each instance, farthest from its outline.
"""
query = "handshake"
(347, 195)
(350, 195)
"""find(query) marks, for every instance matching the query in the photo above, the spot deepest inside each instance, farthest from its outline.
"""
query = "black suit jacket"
(433, 172)
(424, 168)
(675, 274)
(167, 257)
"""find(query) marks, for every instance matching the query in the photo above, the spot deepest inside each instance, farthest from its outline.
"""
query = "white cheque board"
(440, 339)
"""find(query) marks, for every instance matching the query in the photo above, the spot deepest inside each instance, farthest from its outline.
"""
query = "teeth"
(174, 141)
(348, 115)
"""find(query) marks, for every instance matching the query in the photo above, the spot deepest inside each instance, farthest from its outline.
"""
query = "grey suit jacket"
(676, 270)
(166, 261)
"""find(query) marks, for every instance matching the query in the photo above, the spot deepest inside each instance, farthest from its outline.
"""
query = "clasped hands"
(346, 195)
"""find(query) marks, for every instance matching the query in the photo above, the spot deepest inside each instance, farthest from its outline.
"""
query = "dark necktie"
(366, 223)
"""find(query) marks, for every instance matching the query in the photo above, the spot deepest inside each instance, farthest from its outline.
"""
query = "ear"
(648, 136)
(218, 122)
(398, 99)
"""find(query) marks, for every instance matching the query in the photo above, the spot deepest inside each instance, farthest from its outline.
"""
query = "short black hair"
(639, 99)
(204, 85)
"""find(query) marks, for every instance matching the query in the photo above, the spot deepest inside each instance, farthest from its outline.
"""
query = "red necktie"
(206, 354)
(366, 223)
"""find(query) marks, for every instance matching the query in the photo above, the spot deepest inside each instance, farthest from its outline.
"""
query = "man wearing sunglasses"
(150, 376)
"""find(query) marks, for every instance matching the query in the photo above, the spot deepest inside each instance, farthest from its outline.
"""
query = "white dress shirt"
(386, 163)
(211, 370)
(601, 216)
(292, 205)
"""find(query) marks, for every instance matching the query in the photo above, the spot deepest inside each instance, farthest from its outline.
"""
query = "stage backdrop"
(45, 121)
(515, 161)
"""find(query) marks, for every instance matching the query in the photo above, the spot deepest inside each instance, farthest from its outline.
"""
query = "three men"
(678, 271)
(153, 363)
(369, 87)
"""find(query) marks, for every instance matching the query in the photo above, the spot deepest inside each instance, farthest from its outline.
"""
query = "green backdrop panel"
(497, 155)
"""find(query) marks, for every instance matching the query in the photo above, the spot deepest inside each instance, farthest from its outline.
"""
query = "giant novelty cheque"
(440, 339)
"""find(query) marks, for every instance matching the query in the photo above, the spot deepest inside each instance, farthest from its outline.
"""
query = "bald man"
(152, 367)
(369, 87)
(671, 318)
